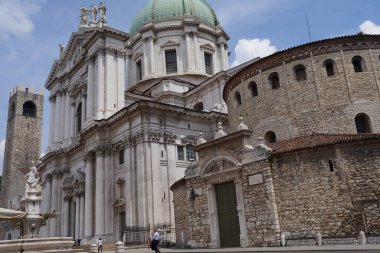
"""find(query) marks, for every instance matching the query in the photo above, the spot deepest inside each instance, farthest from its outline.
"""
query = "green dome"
(157, 10)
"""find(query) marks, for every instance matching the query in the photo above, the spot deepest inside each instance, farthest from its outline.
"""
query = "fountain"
(31, 221)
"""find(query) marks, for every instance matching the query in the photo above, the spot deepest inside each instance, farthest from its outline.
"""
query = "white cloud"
(15, 17)
(249, 12)
(368, 27)
(247, 49)
(2, 148)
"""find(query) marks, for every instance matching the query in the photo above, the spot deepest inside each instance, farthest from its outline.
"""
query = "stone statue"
(94, 12)
(32, 177)
(83, 16)
(102, 12)
(220, 108)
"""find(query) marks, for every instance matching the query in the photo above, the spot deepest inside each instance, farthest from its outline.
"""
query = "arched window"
(79, 117)
(270, 137)
(363, 123)
(358, 64)
(329, 65)
(238, 98)
(300, 72)
(198, 107)
(9, 237)
(29, 109)
(253, 87)
(274, 80)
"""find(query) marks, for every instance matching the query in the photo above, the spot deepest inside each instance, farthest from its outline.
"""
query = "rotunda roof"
(157, 10)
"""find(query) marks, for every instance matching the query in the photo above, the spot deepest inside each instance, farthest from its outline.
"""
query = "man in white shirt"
(155, 241)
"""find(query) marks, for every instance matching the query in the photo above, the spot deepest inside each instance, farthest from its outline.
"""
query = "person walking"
(155, 241)
(100, 245)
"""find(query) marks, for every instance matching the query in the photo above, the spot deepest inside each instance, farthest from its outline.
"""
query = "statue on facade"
(83, 16)
(32, 177)
(94, 12)
(220, 108)
(102, 12)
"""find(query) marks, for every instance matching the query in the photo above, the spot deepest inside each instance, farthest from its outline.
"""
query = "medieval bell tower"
(23, 143)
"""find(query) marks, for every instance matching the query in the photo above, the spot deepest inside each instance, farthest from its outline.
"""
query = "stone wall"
(312, 199)
(198, 213)
(260, 209)
(181, 217)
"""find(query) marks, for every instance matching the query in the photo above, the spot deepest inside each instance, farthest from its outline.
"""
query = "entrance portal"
(229, 229)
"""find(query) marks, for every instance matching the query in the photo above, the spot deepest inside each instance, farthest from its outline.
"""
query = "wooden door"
(229, 228)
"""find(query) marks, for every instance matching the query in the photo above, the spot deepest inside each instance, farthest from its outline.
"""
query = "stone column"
(90, 90)
(190, 65)
(67, 117)
(77, 217)
(63, 116)
(196, 53)
(81, 216)
(66, 215)
(108, 193)
(129, 184)
(99, 193)
(120, 82)
(72, 117)
(111, 74)
(54, 204)
(83, 100)
(57, 118)
(51, 122)
(145, 71)
(100, 87)
(152, 56)
(89, 188)
(47, 200)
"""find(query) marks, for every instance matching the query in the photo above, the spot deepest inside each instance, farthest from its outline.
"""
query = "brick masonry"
(321, 103)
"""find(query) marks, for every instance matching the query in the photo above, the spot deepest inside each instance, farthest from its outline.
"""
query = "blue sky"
(31, 30)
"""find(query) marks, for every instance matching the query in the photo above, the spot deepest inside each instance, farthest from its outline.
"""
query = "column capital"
(67, 198)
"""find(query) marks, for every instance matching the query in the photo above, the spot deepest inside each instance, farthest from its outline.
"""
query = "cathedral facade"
(126, 110)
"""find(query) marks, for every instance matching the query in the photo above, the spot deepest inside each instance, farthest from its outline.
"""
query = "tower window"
(274, 81)
(300, 72)
(238, 98)
(253, 87)
(171, 61)
(331, 166)
(208, 63)
(121, 156)
(190, 154)
(138, 70)
(270, 137)
(180, 154)
(358, 64)
(329, 66)
(362, 123)
(29, 109)
(79, 117)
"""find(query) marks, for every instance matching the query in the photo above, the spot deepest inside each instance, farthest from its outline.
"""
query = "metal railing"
(139, 235)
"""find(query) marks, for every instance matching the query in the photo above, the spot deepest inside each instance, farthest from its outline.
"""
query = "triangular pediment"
(208, 47)
(170, 43)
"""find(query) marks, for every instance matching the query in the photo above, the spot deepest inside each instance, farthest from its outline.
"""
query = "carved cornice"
(170, 137)
(154, 135)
